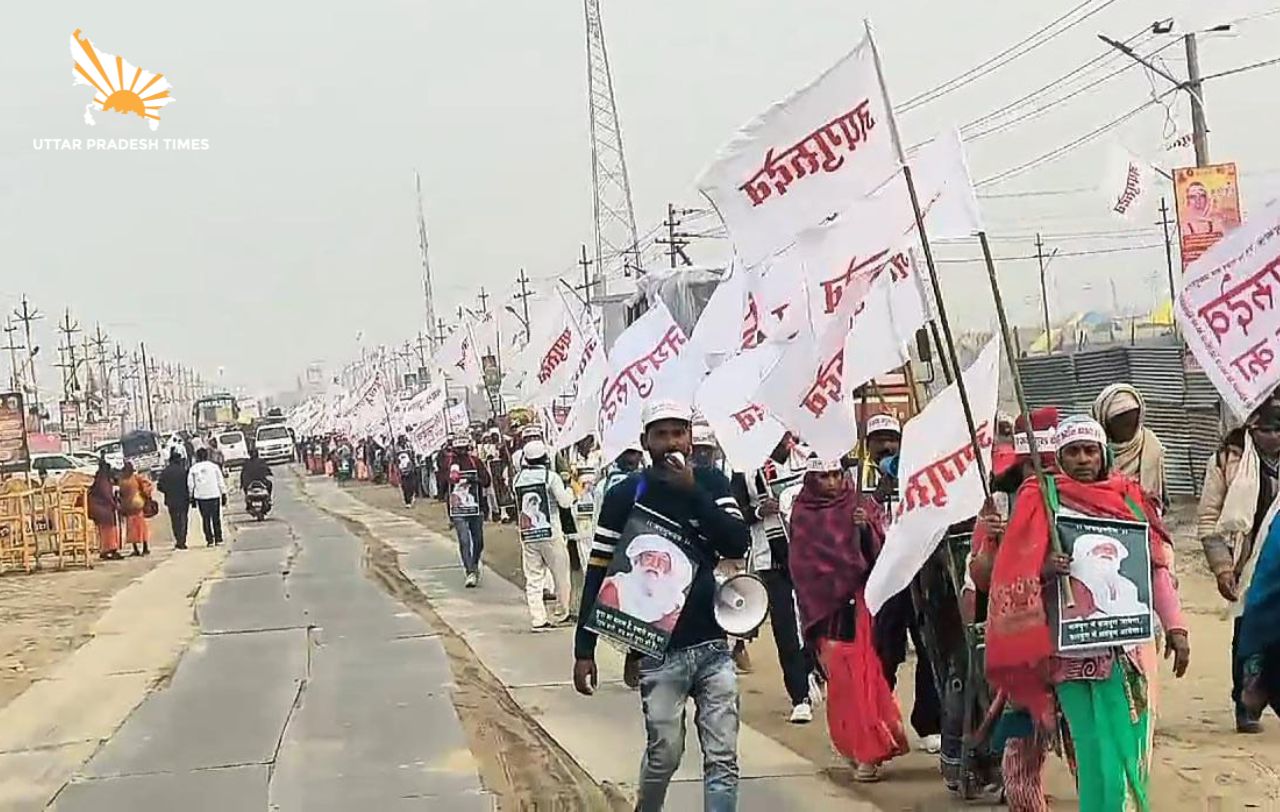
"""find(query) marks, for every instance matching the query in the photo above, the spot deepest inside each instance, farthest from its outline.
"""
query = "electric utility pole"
(1193, 85)
(29, 315)
(523, 296)
(10, 332)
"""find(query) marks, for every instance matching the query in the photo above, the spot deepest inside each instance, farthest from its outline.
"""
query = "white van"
(275, 444)
(234, 448)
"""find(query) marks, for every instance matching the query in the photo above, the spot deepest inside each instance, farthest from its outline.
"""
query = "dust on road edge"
(519, 762)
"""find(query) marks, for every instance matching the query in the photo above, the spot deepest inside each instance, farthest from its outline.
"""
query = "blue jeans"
(704, 672)
(470, 530)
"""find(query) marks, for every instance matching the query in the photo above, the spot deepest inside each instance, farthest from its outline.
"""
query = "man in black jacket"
(255, 470)
(177, 498)
(696, 661)
(757, 493)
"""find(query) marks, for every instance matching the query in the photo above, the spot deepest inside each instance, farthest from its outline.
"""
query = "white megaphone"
(742, 603)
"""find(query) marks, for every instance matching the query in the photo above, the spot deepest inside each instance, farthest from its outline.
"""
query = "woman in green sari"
(1102, 691)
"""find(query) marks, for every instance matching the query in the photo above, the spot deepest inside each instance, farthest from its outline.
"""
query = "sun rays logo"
(119, 87)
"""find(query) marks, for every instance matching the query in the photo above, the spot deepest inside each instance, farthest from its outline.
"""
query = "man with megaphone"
(666, 510)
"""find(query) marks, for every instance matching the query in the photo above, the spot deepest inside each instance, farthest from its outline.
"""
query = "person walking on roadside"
(135, 492)
(697, 508)
(757, 494)
(215, 454)
(1241, 483)
(177, 497)
(540, 491)
(102, 510)
(208, 489)
(407, 467)
(1139, 454)
(466, 480)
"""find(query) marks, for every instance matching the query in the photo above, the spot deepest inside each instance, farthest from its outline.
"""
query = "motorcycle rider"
(255, 470)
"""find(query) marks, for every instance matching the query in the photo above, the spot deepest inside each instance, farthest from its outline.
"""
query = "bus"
(213, 411)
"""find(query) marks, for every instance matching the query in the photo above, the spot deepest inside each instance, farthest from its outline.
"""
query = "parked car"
(53, 466)
(87, 457)
(234, 448)
(275, 444)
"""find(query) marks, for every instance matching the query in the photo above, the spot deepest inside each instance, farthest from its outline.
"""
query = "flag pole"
(1055, 540)
(933, 270)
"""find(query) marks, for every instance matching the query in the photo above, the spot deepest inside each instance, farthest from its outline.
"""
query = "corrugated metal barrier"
(1183, 408)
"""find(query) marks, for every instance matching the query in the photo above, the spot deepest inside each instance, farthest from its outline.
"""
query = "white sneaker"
(931, 744)
(472, 580)
(816, 692)
(802, 714)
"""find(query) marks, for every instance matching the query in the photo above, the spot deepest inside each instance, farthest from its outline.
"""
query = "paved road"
(307, 689)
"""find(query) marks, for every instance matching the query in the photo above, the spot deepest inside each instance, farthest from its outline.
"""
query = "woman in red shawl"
(102, 510)
(1102, 691)
(836, 535)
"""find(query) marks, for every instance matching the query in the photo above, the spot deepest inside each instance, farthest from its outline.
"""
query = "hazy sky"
(296, 228)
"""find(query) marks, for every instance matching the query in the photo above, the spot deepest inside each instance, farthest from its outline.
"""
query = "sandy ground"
(48, 614)
(1200, 762)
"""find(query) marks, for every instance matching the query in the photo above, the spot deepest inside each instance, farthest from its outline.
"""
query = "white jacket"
(205, 481)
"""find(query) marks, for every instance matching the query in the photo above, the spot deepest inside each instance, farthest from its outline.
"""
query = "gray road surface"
(307, 689)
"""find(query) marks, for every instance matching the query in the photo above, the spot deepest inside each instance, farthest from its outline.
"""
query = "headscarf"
(1019, 641)
(1142, 457)
(828, 559)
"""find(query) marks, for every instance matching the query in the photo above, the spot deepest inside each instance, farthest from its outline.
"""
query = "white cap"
(531, 430)
(665, 410)
(883, 422)
(633, 445)
(1080, 429)
(818, 465)
(534, 450)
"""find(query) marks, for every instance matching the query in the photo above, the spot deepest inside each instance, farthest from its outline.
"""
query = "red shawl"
(1019, 641)
(827, 559)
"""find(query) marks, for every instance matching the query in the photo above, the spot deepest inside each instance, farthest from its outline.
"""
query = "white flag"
(718, 335)
(884, 326)
(458, 359)
(804, 158)
(945, 189)
(938, 477)
(583, 419)
(805, 391)
(1128, 184)
(563, 354)
(649, 360)
(1228, 314)
(745, 430)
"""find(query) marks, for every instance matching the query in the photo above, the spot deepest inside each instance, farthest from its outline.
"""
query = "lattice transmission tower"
(615, 218)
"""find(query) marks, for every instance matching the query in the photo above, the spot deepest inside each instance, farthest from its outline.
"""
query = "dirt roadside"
(518, 762)
(47, 615)
(1200, 763)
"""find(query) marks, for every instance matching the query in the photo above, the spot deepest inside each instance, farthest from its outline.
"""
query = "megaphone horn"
(741, 605)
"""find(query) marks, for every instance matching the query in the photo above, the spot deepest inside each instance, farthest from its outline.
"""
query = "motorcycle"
(257, 500)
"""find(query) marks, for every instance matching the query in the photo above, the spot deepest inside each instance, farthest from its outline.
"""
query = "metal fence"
(1183, 409)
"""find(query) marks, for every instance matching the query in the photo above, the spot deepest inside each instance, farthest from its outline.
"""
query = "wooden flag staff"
(933, 270)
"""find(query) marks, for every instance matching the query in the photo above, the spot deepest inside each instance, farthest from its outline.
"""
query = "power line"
(1065, 148)
(1039, 111)
(1006, 56)
(1088, 253)
(1241, 69)
(1108, 55)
